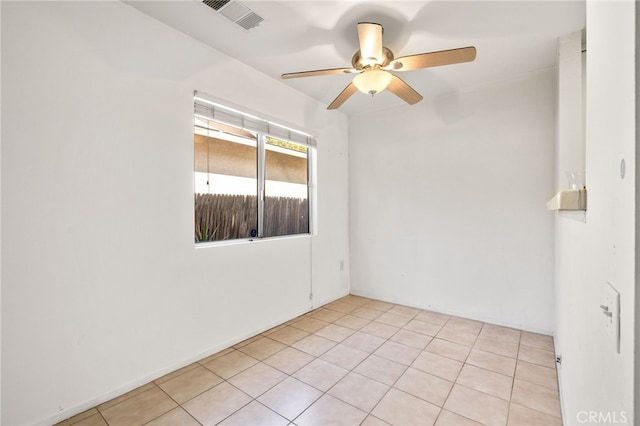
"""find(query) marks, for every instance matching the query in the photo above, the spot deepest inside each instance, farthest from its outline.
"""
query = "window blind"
(206, 107)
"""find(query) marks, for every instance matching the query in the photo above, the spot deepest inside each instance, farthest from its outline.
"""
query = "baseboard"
(481, 318)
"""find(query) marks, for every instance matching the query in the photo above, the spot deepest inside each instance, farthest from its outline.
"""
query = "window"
(251, 176)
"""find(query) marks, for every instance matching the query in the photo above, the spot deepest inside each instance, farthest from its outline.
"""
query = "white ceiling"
(511, 38)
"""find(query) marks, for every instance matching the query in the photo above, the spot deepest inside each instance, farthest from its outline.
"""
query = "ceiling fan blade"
(314, 73)
(343, 96)
(370, 36)
(404, 91)
(433, 59)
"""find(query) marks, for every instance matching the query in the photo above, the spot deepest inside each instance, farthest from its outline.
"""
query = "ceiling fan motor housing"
(387, 57)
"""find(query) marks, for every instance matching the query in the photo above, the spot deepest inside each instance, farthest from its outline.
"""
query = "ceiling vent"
(236, 12)
(215, 4)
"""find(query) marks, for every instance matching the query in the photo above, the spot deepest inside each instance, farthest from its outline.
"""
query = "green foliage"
(202, 234)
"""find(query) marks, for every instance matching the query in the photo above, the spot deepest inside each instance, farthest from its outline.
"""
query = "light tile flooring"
(356, 361)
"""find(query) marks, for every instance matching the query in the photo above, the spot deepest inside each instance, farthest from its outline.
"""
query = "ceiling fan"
(373, 63)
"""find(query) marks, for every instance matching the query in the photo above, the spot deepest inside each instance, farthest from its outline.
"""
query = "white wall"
(0, 220)
(102, 287)
(637, 231)
(447, 203)
(593, 376)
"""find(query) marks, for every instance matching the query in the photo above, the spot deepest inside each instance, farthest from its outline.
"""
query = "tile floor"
(356, 361)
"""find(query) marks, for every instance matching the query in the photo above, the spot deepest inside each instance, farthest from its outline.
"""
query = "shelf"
(571, 199)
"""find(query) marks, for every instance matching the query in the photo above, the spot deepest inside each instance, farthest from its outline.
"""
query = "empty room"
(318, 212)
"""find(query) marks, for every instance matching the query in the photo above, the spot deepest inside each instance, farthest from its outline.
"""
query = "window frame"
(228, 115)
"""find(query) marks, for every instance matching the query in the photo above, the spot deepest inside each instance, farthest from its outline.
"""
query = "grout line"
(457, 375)
(178, 406)
(239, 408)
(100, 414)
(513, 380)
(270, 409)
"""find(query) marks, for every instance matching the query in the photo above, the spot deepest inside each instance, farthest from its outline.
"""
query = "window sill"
(222, 243)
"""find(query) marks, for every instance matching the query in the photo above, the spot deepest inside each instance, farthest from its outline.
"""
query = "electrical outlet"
(610, 309)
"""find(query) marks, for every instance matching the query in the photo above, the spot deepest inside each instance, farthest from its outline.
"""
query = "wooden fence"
(226, 217)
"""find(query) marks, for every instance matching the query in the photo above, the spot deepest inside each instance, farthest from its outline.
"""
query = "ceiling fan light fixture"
(372, 62)
(372, 81)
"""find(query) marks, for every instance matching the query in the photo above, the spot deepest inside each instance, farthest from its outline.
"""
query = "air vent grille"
(236, 12)
(249, 21)
(215, 4)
